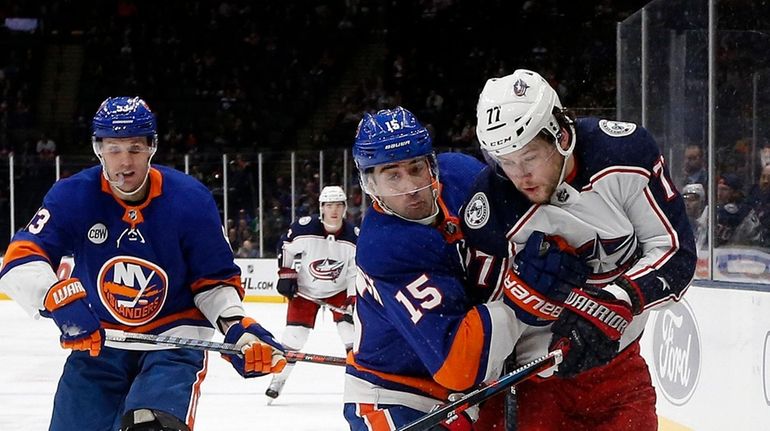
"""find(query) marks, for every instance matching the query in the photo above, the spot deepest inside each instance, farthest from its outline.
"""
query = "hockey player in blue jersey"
(590, 188)
(150, 256)
(419, 338)
(316, 262)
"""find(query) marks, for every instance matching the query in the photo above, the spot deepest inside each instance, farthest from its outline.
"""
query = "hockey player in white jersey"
(601, 190)
(316, 263)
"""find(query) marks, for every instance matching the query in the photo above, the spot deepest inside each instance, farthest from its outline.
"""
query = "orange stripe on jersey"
(21, 249)
(196, 392)
(192, 313)
(377, 420)
(203, 283)
(424, 385)
(461, 365)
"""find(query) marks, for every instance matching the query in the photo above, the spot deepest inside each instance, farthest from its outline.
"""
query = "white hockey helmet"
(332, 194)
(513, 110)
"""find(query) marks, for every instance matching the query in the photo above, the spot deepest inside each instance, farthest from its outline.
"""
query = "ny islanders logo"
(133, 290)
(326, 269)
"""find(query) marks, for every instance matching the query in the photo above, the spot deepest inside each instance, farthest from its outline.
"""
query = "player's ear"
(563, 138)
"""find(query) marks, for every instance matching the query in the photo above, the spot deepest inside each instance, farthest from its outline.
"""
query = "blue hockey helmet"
(125, 117)
(390, 135)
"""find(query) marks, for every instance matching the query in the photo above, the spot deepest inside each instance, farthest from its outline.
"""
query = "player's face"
(333, 213)
(127, 158)
(692, 205)
(534, 170)
(764, 179)
(406, 187)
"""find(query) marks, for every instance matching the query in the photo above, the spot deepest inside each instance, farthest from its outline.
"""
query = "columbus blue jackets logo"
(133, 290)
(520, 88)
(477, 211)
(617, 129)
(326, 269)
(608, 257)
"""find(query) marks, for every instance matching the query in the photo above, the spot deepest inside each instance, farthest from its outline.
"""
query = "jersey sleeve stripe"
(204, 284)
(375, 419)
(459, 370)
(425, 386)
(615, 170)
(21, 252)
(671, 234)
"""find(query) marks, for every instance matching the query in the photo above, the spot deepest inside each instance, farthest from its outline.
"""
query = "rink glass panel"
(667, 89)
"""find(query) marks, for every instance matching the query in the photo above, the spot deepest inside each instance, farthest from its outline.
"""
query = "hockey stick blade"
(325, 304)
(191, 343)
(485, 391)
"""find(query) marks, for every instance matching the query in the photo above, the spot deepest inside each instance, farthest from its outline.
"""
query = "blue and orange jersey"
(140, 263)
(418, 334)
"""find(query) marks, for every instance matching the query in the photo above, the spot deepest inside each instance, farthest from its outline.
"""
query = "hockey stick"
(325, 304)
(485, 391)
(191, 343)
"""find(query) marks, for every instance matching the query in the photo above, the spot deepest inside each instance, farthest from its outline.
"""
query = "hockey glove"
(350, 303)
(287, 282)
(463, 421)
(261, 353)
(65, 302)
(590, 326)
(546, 270)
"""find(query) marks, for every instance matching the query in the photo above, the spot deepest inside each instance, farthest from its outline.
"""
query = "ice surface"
(31, 362)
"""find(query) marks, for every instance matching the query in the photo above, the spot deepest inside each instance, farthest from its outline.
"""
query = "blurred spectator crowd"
(239, 77)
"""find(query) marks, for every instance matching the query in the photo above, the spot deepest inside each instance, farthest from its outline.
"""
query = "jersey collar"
(133, 214)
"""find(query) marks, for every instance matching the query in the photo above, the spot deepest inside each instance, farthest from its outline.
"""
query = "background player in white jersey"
(145, 261)
(598, 189)
(419, 337)
(316, 263)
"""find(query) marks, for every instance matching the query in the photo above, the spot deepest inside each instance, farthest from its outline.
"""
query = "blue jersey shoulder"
(389, 246)
(605, 143)
(349, 233)
(75, 191)
(307, 225)
(185, 190)
(491, 210)
(456, 174)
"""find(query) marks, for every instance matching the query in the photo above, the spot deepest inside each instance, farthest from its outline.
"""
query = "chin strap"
(566, 153)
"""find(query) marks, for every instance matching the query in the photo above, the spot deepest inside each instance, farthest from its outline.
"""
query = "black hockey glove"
(590, 326)
(546, 270)
(287, 282)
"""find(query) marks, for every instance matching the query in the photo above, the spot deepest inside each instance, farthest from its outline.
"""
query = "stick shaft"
(485, 391)
(229, 348)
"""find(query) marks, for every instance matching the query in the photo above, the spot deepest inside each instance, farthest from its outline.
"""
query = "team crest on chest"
(326, 269)
(617, 129)
(133, 290)
(477, 211)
